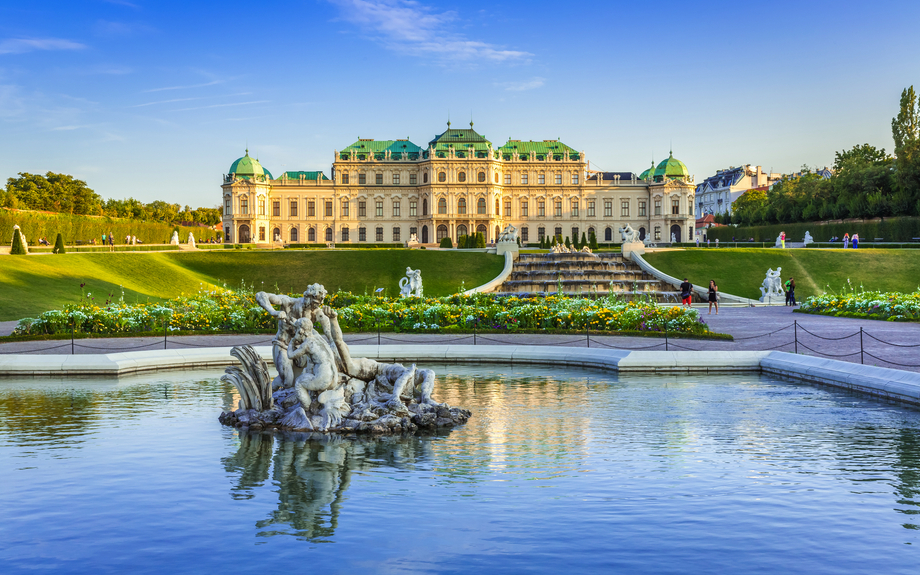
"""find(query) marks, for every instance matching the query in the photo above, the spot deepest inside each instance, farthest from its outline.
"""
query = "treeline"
(867, 182)
(77, 228)
(889, 230)
(65, 194)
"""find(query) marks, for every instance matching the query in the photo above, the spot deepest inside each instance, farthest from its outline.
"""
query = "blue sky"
(155, 100)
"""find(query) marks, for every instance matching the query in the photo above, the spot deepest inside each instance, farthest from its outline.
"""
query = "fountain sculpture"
(320, 387)
(772, 289)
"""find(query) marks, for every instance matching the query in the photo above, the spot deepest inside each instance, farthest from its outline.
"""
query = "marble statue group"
(772, 286)
(321, 387)
(411, 285)
(629, 235)
(509, 234)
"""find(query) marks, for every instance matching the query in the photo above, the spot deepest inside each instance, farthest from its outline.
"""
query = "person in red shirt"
(686, 292)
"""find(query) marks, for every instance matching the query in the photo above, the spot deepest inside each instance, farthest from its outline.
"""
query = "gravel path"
(747, 325)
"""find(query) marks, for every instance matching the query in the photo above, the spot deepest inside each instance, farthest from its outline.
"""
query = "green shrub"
(593, 242)
(480, 240)
(59, 244)
(18, 248)
(447, 243)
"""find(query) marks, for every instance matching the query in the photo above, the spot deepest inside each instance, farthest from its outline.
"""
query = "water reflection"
(311, 473)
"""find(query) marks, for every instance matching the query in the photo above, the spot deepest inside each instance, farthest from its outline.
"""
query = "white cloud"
(211, 83)
(221, 105)
(409, 27)
(532, 84)
(21, 45)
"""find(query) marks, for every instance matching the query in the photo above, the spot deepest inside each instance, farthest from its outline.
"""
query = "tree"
(568, 244)
(446, 243)
(584, 240)
(593, 241)
(905, 130)
(59, 245)
(18, 249)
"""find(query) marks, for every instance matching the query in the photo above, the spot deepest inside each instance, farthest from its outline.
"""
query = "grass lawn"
(742, 271)
(32, 284)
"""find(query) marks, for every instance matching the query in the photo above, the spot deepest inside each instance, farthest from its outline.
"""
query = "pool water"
(580, 470)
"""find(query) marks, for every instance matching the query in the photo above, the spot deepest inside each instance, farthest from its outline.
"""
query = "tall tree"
(905, 129)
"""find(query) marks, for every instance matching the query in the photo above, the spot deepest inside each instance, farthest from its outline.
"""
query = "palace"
(383, 191)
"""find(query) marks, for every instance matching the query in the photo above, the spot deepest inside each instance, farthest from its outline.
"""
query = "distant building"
(383, 191)
(715, 194)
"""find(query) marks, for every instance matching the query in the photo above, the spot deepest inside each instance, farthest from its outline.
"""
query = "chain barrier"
(117, 349)
(889, 343)
(763, 334)
(35, 350)
(854, 334)
(893, 362)
(828, 354)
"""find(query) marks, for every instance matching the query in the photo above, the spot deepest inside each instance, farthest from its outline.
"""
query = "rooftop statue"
(321, 387)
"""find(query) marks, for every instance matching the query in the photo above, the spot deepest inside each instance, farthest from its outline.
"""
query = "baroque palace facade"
(382, 191)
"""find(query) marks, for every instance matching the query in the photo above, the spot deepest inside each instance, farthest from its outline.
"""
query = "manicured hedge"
(84, 228)
(348, 246)
(891, 229)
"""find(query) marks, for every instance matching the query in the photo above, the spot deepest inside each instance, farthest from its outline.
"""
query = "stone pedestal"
(631, 247)
(773, 299)
(502, 247)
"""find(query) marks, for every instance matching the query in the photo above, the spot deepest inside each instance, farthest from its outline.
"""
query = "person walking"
(713, 296)
(846, 241)
(855, 241)
(790, 291)
(782, 239)
(686, 292)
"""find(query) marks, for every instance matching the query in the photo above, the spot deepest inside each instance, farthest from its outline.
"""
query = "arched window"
(481, 177)
(591, 232)
(276, 235)
(293, 235)
(461, 230)
(461, 177)
(608, 235)
(642, 233)
(311, 235)
(425, 207)
(496, 177)
(541, 233)
(481, 205)
(442, 206)
(244, 234)
(442, 177)
(328, 234)
(481, 228)
(525, 234)
(498, 209)
(441, 232)
(425, 178)
(461, 206)
(345, 237)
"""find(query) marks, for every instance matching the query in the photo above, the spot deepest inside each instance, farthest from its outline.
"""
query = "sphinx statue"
(411, 285)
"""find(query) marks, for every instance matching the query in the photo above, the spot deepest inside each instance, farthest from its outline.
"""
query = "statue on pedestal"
(411, 285)
(772, 286)
(174, 240)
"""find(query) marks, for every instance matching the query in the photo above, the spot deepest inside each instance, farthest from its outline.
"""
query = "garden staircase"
(584, 274)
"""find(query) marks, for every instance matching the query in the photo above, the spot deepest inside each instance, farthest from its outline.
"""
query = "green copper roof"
(649, 173)
(553, 148)
(671, 168)
(248, 167)
(306, 175)
(460, 137)
(379, 148)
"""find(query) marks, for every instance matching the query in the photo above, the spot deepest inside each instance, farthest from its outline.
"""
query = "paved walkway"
(748, 325)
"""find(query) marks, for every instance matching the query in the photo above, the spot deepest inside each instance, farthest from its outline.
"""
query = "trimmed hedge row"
(84, 228)
(891, 229)
(349, 246)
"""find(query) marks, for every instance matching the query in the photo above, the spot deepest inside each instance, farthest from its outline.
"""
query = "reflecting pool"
(582, 471)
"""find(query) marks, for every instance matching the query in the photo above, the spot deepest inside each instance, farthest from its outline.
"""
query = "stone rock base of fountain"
(364, 417)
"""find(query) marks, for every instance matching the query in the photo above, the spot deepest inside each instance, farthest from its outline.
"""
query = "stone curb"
(891, 384)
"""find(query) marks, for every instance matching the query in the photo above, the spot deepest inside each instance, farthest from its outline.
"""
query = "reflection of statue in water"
(321, 387)
(312, 471)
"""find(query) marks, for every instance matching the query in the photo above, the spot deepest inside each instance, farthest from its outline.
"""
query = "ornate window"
(461, 206)
(657, 233)
(498, 209)
(228, 206)
(261, 207)
(311, 209)
(481, 177)
(507, 208)
(344, 208)
(328, 234)
(624, 208)
(642, 208)
(461, 177)
(442, 177)
(379, 234)
(541, 179)
(293, 208)
(575, 234)
(362, 234)
(442, 206)
(525, 235)
(524, 208)
(345, 178)
(293, 235)
(261, 233)
(362, 208)
(541, 233)
(590, 208)
(311, 235)
(507, 179)
(413, 179)
(574, 179)
(425, 178)
(608, 209)
(675, 207)
(574, 208)
(378, 210)
(396, 179)
(558, 211)
(396, 234)
(413, 208)
(328, 208)
(395, 209)
(425, 207)
(559, 233)
(441, 232)
(608, 235)
(362, 179)
(658, 213)
(558, 179)
(244, 206)
(524, 179)
(378, 178)
(481, 206)
(276, 209)
(461, 230)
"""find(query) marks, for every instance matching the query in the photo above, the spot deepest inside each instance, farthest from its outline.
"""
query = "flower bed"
(891, 306)
(221, 310)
